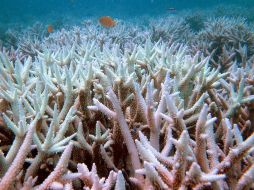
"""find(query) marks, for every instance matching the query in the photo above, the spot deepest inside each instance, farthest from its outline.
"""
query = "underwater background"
(18, 15)
(126, 95)
(29, 11)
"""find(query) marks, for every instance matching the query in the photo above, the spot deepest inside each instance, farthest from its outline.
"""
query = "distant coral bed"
(166, 103)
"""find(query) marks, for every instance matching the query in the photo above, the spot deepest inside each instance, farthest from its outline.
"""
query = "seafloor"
(151, 103)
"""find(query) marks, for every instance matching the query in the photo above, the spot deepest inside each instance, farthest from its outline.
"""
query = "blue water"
(20, 14)
(27, 11)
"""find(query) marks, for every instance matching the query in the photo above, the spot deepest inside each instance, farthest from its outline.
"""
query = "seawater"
(28, 11)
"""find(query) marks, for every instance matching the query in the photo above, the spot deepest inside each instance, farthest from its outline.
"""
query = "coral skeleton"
(129, 108)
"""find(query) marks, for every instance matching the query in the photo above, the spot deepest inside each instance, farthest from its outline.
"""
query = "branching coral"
(88, 111)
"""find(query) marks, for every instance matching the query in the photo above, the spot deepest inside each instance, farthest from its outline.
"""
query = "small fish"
(50, 28)
(107, 21)
(171, 9)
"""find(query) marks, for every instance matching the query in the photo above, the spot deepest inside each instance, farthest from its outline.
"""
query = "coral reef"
(129, 108)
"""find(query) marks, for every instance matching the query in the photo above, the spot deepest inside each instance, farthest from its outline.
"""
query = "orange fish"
(50, 28)
(107, 21)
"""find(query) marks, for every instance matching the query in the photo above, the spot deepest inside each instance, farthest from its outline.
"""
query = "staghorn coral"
(91, 109)
(224, 39)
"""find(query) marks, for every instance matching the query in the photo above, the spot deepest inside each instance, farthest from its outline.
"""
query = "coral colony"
(167, 106)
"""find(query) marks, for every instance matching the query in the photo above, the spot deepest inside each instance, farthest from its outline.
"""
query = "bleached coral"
(126, 112)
